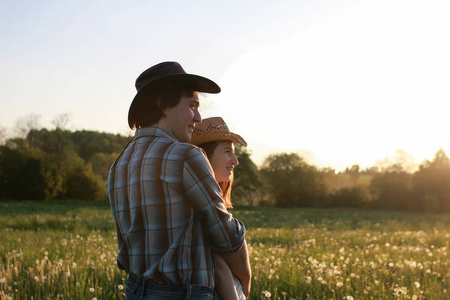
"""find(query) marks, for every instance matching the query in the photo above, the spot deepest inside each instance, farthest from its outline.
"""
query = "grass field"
(67, 250)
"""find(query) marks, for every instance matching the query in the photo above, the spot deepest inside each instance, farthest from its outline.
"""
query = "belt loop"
(136, 285)
(143, 288)
(188, 291)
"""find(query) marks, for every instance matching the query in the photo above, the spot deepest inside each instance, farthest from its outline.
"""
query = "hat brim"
(217, 136)
(172, 82)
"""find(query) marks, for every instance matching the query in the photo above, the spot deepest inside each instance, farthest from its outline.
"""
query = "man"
(166, 204)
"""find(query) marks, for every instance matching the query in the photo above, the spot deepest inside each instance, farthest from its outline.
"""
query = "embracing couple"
(169, 192)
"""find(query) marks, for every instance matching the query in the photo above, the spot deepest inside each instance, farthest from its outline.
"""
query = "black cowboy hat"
(165, 77)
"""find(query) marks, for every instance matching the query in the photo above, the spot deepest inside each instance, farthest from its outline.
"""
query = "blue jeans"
(139, 289)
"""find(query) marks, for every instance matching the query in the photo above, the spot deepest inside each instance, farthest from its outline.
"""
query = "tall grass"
(67, 250)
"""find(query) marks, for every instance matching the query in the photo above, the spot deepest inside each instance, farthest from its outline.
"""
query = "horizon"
(399, 157)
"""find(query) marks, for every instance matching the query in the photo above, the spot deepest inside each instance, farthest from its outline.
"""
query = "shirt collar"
(154, 131)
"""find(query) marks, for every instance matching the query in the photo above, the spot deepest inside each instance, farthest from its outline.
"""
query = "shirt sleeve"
(225, 233)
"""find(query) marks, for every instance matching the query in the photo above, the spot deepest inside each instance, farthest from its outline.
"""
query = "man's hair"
(209, 148)
(152, 109)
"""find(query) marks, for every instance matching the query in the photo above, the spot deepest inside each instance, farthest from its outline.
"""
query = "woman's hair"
(209, 148)
(152, 109)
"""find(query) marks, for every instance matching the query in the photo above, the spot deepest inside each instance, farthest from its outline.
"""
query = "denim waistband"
(143, 289)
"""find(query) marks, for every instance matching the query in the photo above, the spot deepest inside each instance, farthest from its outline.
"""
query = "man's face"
(181, 119)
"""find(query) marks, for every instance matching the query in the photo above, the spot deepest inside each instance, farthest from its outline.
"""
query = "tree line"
(61, 164)
(286, 180)
(58, 164)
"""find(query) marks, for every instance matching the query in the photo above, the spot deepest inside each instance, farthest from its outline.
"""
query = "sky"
(341, 82)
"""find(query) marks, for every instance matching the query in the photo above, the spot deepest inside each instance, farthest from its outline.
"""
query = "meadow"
(67, 250)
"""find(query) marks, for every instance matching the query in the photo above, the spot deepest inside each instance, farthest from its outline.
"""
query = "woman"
(213, 136)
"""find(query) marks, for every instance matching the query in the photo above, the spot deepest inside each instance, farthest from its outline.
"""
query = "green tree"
(431, 184)
(82, 183)
(348, 197)
(292, 182)
(90, 142)
(247, 185)
(25, 174)
(101, 163)
(391, 189)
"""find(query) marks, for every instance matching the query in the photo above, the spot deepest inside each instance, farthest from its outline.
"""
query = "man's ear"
(159, 104)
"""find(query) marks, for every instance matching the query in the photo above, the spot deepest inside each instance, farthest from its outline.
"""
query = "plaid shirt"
(168, 211)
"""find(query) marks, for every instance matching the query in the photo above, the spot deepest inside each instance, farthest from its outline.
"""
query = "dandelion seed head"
(417, 284)
(91, 290)
(120, 287)
(266, 294)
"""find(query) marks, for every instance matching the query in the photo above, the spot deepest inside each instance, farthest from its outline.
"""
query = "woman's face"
(223, 161)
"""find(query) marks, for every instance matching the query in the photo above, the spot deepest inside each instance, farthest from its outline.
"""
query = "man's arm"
(225, 233)
(240, 266)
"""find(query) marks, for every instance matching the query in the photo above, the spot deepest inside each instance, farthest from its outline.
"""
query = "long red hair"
(209, 148)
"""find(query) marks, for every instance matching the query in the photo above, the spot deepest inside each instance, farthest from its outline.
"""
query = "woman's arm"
(240, 266)
(224, 279)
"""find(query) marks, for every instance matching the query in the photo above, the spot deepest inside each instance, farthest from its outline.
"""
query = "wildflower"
(120, 287)
(308, 279)
(266, 294)
(94, 298)
(36, 278)
(414, 297)
(417, 284)
(91, 290)
(350, 298)
(2, 279)
(339, 284)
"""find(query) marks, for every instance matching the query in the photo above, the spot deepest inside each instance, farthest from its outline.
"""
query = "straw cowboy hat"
(167, 77)
(214, 129)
